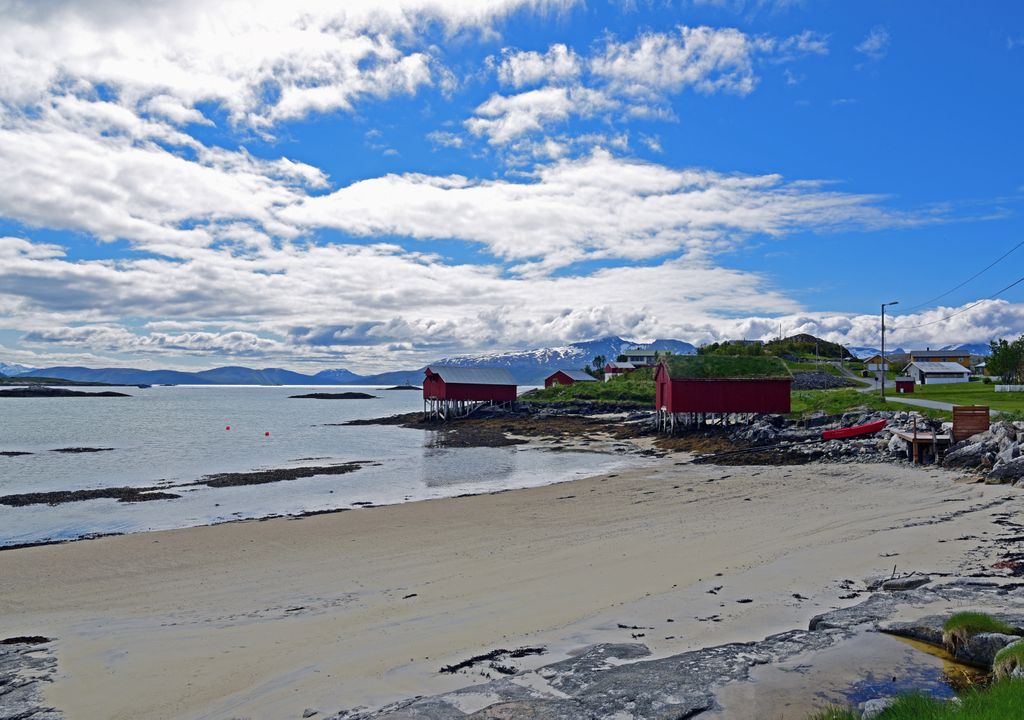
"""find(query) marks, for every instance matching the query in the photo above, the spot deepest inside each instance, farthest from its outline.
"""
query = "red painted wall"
(435, 387)
(906, 386)
(721, 396)
(558, 378)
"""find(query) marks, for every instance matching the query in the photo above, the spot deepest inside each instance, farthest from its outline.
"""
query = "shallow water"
(871, 665)
(166, 435)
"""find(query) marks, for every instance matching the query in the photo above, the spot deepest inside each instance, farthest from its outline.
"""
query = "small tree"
(598, 370)
(1007, 360)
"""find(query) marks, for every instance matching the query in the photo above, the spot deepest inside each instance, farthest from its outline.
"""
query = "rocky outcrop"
(25, 664)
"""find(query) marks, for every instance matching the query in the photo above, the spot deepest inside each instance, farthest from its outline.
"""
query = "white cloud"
(519, 68)
(597, 207)
(627, 79)
(262, 62)
(876, 45)
(504, 118)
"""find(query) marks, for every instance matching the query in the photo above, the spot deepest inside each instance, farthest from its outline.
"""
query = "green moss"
(962, 625)
(1008, 659)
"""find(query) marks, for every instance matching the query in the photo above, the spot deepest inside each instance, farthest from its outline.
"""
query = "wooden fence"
(969, 420)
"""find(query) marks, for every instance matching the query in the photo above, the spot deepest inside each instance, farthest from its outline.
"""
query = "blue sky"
(376, 184)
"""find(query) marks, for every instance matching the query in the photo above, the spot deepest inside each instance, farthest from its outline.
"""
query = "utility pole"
(884, 364)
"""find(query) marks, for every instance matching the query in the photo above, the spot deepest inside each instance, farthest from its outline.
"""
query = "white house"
(938, 373)
(640, 357)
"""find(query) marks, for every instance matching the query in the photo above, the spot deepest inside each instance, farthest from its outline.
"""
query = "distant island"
(48, 392)
(333, 396)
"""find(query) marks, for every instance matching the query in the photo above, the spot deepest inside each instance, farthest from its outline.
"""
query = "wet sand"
(263, 619)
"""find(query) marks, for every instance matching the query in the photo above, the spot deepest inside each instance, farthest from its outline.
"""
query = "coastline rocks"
(981, 649)
(1011, 471)
(820, 381)
(47, 392)
(24, 668)
(902, 584)
(334, 396)
(970, 456)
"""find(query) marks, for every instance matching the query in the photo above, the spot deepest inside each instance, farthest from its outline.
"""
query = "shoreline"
(265, 618)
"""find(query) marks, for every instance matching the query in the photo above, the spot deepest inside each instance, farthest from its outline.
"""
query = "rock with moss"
(1009, 661)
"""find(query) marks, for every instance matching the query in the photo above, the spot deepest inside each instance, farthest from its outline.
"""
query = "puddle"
(868, 666)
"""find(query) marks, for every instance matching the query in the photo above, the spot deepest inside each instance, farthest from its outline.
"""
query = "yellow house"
(956, 356)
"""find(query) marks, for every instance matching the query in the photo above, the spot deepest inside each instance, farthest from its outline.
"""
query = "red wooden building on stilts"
(453, 391)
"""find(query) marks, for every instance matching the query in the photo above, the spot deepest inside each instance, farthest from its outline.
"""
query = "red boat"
(855, 431)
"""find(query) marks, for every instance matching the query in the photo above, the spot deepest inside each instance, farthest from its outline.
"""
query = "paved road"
(873, 386)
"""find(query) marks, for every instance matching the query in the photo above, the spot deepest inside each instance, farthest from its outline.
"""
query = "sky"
(371, 185)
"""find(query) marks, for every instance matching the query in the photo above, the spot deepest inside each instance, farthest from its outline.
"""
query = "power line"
(993, 296)
(972, 277)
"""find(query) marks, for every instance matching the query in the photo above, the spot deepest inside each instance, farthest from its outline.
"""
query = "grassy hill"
(637, 387)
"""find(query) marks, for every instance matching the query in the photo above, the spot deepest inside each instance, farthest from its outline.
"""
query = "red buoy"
(228, 427)
(266, 434)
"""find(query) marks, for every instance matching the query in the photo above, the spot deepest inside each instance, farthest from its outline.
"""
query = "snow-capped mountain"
(532, 366)
(971, 348)
(865, 352)
(12, 369)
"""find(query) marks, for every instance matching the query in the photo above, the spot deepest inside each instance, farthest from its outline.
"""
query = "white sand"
(263, 619)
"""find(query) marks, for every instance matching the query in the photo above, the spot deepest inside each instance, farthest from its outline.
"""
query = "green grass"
(973, 393)
(836, 402)
(637, 386)
(709, 367)
(962, 625)
(1008, 659)
(1000, 701)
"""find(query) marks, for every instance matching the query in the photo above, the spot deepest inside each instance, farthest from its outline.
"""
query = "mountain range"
(982, 349)
(529, 367)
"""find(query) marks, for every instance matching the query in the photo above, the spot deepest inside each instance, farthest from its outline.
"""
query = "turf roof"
(720, 367)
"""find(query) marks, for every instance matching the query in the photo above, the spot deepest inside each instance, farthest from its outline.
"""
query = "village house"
(568, 377)
(640, 357)
(929, 355)
(614, 369)
(938, 373)
(875, 362)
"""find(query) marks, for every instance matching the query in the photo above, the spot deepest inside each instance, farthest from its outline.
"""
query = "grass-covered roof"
(721, 367)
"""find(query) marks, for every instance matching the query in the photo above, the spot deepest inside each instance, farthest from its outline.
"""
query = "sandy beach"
(263, 619)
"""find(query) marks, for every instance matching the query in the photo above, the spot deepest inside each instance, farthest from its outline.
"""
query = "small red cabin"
(722, 384)
(568, 377)
(905, 385)
(473, 384)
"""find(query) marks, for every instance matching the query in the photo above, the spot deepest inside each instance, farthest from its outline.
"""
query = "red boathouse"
(696, 388)
(453, 391)
(567, 377)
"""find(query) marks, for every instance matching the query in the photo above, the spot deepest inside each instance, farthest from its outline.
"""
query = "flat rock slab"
(24, 667)
(620, 681)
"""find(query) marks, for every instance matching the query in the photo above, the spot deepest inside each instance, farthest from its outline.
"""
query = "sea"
(178, 434)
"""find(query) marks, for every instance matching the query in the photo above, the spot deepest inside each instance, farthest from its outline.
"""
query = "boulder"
(1008, 453)
(1007, 472)
(971, 455)
(909, 582)
(874, 708)
(981, 649)
(896, 445)
(982, 437)
(1003, 428)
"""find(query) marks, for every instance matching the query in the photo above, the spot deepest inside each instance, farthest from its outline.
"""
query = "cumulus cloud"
(519, 68)
(628, 79)
(262, 62)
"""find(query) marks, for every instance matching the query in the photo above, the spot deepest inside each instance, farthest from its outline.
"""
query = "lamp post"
(883, 363)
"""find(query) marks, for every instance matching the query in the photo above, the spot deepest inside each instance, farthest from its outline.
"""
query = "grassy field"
(812, 367)
(973, 393)
(637, 386)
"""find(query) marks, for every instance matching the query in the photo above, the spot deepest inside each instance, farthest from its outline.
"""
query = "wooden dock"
(922, 444)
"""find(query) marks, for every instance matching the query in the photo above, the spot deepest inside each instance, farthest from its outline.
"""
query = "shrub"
(962, 625)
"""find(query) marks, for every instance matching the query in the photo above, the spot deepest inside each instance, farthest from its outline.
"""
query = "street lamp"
(883, 363)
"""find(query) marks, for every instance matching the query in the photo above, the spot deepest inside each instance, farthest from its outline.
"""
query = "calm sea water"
(177, 434)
